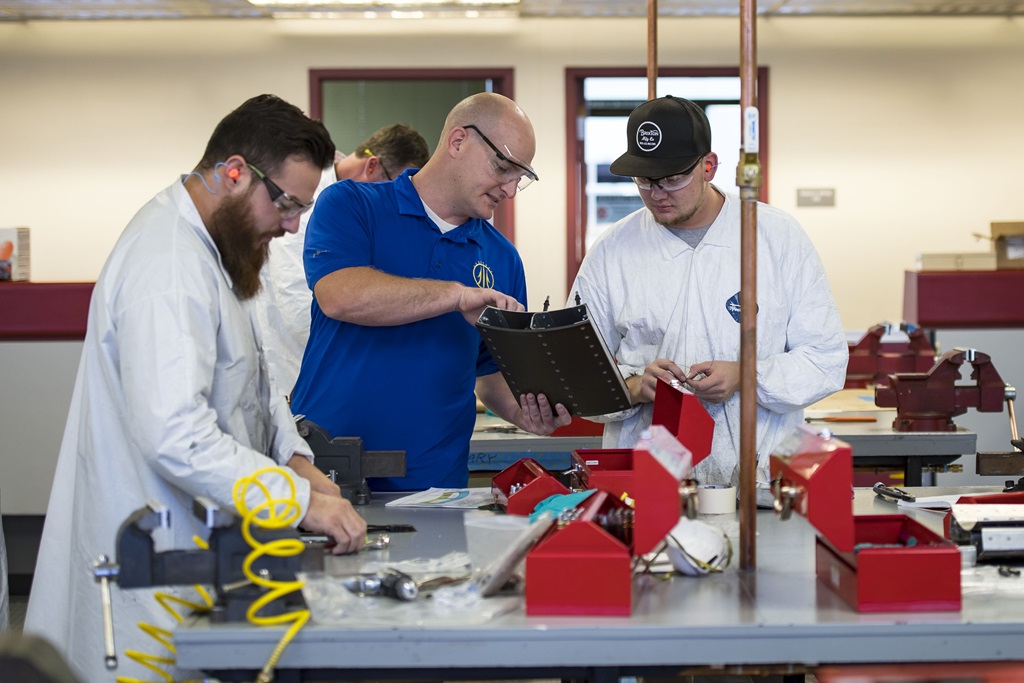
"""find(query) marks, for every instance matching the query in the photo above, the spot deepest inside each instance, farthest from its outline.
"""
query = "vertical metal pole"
(652, 49)
(748, 178)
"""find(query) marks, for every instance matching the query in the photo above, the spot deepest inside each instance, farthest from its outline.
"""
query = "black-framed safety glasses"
(288, 205)
(523, 172)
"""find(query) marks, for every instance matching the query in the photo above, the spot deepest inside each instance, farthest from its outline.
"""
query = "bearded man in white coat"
(172, 399)
(663, 285)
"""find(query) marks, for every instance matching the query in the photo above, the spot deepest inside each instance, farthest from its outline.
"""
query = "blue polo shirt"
(405, 387)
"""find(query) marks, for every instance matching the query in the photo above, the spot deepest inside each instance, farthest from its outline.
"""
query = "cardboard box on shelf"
(14, 254)
(1008, 237)
(977, 260)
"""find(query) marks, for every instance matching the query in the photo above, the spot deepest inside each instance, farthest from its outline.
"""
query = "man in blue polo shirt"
(400, 272)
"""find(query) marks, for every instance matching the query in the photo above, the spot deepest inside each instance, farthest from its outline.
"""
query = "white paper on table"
(937, 503)
(465, 499)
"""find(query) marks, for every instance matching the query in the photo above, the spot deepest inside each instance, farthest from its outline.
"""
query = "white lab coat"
(652, 296)
(284, 302)
(170, 402)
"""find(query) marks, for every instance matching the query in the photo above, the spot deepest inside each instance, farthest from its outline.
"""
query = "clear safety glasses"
(670, 183)
(505, 167)
(289, 206)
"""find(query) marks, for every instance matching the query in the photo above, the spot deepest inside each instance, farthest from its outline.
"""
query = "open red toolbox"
(878, 563)
(583, 565)
(679, 411)
(519, 487)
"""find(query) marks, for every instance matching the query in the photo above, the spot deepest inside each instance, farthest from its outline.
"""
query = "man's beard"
(241, 251)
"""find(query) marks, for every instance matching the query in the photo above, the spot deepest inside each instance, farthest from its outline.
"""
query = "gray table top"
(779, 614)
(493, 435)
(865, 438)
(879, 438)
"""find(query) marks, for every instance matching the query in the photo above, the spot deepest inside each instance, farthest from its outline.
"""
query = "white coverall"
(170, 402)
(283, 304)
(652, 296)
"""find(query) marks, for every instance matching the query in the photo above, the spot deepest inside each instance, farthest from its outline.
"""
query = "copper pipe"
(748, 307)
(652, 49)
(1013, 418)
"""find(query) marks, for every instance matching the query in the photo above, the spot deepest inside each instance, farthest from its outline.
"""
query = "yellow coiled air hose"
(163, 636)
(271, 514)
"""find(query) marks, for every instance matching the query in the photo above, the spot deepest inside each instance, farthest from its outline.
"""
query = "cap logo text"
(648, 136)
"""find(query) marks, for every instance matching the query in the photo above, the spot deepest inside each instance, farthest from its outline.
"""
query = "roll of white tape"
(713, 499)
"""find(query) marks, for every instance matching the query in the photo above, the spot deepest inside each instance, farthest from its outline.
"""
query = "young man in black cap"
(663, 287)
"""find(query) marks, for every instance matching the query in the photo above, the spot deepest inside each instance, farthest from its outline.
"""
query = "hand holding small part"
(714, 381)
(642, 387)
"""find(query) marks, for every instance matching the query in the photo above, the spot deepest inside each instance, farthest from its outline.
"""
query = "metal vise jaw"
(139, 565)
(872, 361)
(345, 462)
(928, 401)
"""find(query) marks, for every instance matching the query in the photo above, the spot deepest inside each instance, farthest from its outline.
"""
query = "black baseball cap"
(666, 136)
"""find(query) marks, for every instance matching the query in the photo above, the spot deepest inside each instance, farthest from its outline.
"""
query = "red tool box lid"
(813, 474)
(659, 464)
(682, 414)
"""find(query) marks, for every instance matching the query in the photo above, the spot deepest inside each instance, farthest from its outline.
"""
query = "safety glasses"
(289, 206)
(505, 167)
(669, 183)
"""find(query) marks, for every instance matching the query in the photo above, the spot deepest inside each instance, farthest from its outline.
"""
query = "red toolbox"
(880, 563)
(519, 487)
(608, 469)
(583, 565)
(678, 411)
(579, 567)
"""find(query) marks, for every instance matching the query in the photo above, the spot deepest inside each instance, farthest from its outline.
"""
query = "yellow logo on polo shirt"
(483, 276)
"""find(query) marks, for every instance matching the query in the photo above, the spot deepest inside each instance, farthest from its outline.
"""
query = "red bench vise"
(928, 401)
(872, 360)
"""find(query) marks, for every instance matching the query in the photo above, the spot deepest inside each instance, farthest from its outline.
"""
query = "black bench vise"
(344, 461)
(138, 565)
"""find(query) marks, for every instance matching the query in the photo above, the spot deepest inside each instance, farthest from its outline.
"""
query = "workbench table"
(779, 617)
(496, 444)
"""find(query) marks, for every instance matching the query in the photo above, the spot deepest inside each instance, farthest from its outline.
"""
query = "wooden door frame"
(501, 77)
(576, 208)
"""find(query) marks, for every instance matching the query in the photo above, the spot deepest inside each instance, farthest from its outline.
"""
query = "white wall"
(914, 122)
(38, 379)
